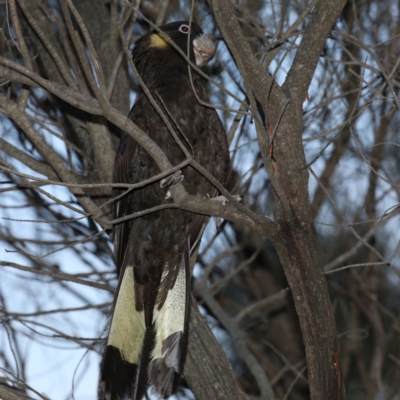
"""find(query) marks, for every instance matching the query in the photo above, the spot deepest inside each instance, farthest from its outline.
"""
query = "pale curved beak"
(204, 50)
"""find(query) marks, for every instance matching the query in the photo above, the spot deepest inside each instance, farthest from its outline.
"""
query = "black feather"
(117, 376)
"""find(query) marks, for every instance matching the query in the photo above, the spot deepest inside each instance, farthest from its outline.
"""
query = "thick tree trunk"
(284, 159)
(207, 360)
(299, 254)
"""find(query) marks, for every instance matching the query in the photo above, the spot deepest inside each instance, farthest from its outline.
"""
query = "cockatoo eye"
(184, 28)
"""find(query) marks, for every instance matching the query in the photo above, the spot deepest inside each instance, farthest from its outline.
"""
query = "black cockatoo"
(148, 336)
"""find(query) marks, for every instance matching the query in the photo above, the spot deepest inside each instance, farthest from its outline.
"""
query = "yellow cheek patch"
(158, 41)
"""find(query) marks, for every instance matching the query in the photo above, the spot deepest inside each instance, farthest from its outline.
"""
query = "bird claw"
(171, 180)
(224, 200)
(218, 223)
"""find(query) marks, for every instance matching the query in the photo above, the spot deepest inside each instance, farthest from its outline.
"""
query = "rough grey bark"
(297, 242)
(50, 79)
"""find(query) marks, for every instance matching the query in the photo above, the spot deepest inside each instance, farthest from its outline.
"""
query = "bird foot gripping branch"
(224, 200)
(148, 336)
(174, 179)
